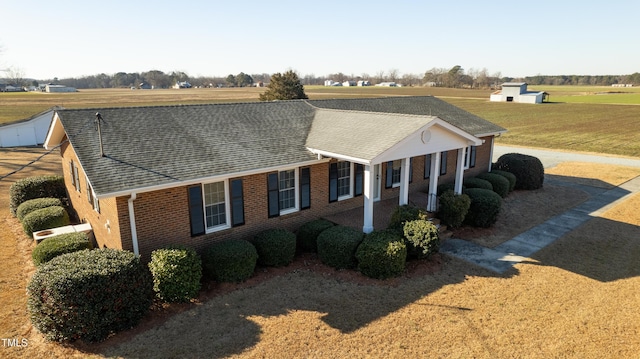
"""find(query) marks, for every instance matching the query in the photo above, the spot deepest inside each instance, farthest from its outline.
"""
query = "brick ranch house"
(147, 177)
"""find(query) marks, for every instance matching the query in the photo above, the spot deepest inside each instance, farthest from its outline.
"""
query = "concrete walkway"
(518, 249)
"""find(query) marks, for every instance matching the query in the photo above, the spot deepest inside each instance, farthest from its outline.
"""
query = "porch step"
(443, 231)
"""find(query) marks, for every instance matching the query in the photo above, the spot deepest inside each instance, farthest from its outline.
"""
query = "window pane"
(214, 204)
(287, 189)
(344, 178)
(395, 175)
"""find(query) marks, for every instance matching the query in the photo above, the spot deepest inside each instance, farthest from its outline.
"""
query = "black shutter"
(274, 195)
(389, 174)
(237, 203)
(443, 163)
(410, 169)
(472, 158)
(305, 188)
(196, 211)
(333, 182)
(427, 166)
(359, 180)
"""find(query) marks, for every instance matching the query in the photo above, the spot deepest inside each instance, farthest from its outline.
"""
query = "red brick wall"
(105, 224)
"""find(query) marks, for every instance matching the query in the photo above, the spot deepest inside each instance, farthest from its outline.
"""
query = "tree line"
(454, 77)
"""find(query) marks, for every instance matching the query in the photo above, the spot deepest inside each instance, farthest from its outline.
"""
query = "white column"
(433, 182)
(368, 198)
(491, 154)
(459, 171)
(404, 182)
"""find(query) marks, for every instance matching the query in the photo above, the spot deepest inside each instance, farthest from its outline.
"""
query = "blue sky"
(46, 39)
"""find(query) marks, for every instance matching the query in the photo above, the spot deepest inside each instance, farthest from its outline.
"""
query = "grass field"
(579, 118)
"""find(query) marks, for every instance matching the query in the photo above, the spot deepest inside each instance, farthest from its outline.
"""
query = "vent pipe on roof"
(98, 120)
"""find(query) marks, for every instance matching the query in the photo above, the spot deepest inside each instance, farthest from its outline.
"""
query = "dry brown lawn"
(577, 298)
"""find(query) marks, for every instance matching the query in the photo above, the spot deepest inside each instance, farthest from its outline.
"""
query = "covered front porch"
(382, 209)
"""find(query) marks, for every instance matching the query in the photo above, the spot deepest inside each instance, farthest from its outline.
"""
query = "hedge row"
(54, 246)
(36, 187)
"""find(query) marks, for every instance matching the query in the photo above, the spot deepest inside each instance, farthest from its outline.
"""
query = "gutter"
(132, 222)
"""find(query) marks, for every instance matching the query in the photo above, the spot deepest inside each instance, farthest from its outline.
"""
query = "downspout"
(132, 223)
(491, 154)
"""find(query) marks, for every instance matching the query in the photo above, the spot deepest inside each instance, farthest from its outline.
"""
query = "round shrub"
(232, 260)
(35, 187)
(176, 273)
(509, 176)
(528, 170)
(382, 254)
(89, 294)
(31, 205)
(442, 188)
(276, 247)
(475, 182)
(402, 214)
(308, 234)
(422, 238)
(54, 246)
(46, 218)
(337, 246)
(484, 208)
(499, 183)
(453, 208)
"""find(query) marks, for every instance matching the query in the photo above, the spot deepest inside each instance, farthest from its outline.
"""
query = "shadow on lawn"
(232, 323)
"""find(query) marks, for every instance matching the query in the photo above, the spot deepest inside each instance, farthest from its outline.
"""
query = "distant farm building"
(364, 83)
(182, 85)
(517, 92)
(59, 88)
(332, 83)
(29, 132)
(349, 83)
(622, 85)
(387, 84)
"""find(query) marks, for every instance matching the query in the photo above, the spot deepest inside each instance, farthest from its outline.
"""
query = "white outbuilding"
(517, 92)
(28, 132)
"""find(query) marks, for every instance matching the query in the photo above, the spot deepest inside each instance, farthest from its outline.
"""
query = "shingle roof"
(154, 146)
(147, 147)
(416, 105)
(362, 135)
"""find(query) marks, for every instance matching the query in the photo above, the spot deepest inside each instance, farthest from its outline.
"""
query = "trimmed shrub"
(308, 234)
(35, 187)
(57, 245)
(231, 260)
(176, 273)
(337, 246)
(509, 176)
(421, 238)
(382, 254)
(453, 208)
(402, 214)
(442, 188)
(499, 183)
(528, 170)
(484, 208)
(475, 182)
(46, 218)
(276, 247)
(89, 294)
(31, 205)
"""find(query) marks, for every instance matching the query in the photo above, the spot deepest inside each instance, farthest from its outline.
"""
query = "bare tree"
(393, 75)
(16, 76)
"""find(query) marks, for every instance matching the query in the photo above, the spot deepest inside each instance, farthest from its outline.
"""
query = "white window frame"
(75, 176)
(91, 196)
(351, 180)
(393, 169)
(227, 208)
(296, 190)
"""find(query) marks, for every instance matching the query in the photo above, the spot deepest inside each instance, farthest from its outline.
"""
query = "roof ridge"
(394, 114)
(177, 105)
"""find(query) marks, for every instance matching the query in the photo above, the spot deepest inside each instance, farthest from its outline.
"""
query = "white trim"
(369, 182)
(491, 154)
(459, 172)
(339, 156)
(212, 178)
(132, 224)
(351, 181)
(404, 181)
(227, 208)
